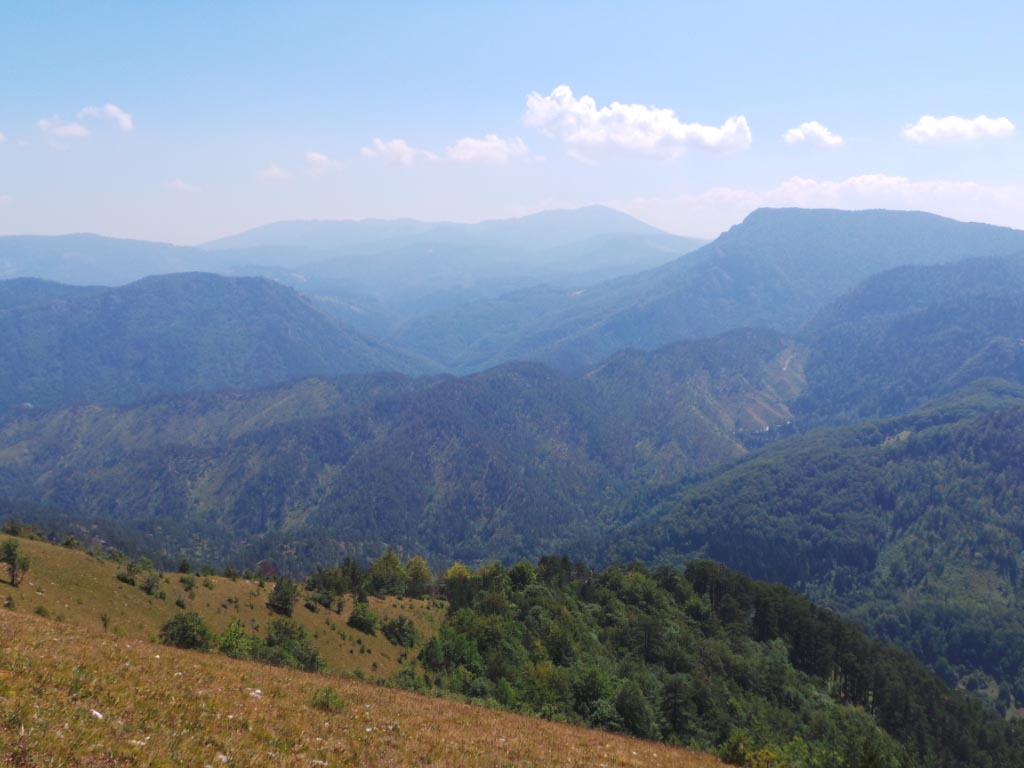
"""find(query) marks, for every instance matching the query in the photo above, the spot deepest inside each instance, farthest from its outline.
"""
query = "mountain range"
(827, 399)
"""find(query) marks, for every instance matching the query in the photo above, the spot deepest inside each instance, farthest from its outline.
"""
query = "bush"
(328, 700)
(363, 619)
(288, 645)
(400, 631)
(151, 586)
(186, 630)
(235, 642)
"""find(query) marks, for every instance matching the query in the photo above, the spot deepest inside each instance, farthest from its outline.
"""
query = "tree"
(282, 598)
(186, 630)
(420, 580)
(387, 574)
(16, 561)
(636, 712)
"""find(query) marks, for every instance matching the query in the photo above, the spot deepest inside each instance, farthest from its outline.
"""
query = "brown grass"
(74, 587)
(161, 707)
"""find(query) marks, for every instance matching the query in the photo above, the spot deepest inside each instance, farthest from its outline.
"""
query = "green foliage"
(23, 530)
(910, 525)
(287, 644)
(283, 596)
(705, 657)
(151, 586)
(236, 642)
(399, 631)
(187, 630)
(363, 619)
(327, 700)
(16, 562)
(387, 575)
(420, 579)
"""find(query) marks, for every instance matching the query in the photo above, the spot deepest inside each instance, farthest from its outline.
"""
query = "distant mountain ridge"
(776, 270)
(538, 231)
(167, 334)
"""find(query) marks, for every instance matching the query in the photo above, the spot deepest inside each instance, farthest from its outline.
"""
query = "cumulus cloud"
(490, 149)
(110, 112)
(395, 151)
(274, 172)
(708, 213)
(953, 128)
(319, 162)
(813, 133)
(58, 129)
(179, 185)
(633, 127)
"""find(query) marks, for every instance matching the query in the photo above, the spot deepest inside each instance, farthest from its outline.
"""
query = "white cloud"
(395, 151)
(710, 212)
(319, 162)
(634, 127)
(812, 133)
(490, 149)
(110, 112)
(5, 199)
(2, 137)
(952, 128)
(58, 129)
(179, 185)
(274, 172)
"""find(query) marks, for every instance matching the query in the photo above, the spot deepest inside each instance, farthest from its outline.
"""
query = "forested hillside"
(911, 334)
(508, 462)
(776, 269)
(912, 525)
(174, 333)
(705, 657)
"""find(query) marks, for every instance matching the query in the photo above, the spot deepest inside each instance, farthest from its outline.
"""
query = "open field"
(78, 588)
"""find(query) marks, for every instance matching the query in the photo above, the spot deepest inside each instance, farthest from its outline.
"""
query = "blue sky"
(184, 122)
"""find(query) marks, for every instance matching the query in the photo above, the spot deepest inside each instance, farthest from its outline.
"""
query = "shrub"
(151, 586)
(328, 700)
(363, 619)
(400, 631)
(236, 642)
(287, 644)
(186, 630)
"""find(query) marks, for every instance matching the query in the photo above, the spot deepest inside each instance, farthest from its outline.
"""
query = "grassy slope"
(79, 589)
(76, 696)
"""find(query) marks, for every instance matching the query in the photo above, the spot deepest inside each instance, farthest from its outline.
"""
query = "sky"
(187, 121)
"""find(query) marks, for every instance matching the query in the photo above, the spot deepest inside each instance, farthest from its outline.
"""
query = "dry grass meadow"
(75, 694)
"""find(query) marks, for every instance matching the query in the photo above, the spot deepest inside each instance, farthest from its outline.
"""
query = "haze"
(188, 123)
